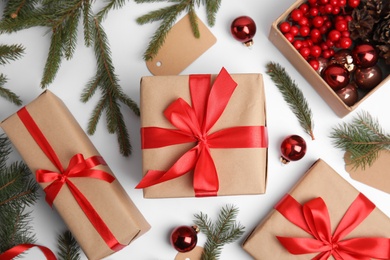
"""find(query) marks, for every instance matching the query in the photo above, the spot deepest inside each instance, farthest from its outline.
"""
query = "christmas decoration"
(9, 53)
(68, 247)
(368, 78)
(337, 76)
(169, 14)
(364, 55)
(223, 231)
(349, 94)
(293, 96)
(63, 17)
(243, 29)
(363, 139)
(292, 148)
(184, 238)
(344, 58)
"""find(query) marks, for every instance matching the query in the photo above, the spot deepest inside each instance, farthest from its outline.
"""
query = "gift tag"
(181, 48)
(194, 254)
(376, 176)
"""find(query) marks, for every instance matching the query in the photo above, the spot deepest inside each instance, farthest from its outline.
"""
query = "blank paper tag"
(194, 254)
(181, 48)
(376, 176)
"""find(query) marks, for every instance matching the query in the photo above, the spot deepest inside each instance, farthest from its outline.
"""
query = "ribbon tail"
(185, 163)
(366, 247)
(19, 249)
(205, 175)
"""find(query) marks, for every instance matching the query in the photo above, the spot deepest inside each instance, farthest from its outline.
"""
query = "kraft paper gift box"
(312, 77)
(66, 138)
(343, 201)
(241, 169)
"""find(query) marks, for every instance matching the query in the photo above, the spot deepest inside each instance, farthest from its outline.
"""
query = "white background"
(128, 42)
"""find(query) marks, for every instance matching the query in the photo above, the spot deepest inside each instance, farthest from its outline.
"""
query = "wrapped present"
(75, 178)
(203, 135)
(322, 217)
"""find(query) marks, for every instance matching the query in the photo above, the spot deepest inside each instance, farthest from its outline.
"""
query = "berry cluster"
(317, 27)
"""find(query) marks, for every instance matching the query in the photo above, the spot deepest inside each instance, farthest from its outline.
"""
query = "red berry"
(329, 43)
(353, 3)
(318, 21)
(345, 34)
(323, 29)
(304, 8)
(336, 10)
(313, 11)
(341, 25)
(328, 8)
(338, 18)
(315, 64)
(315, 34)
(323, 2)
(315, 51)
(289, 37)
(328, 24)
(334, 2)
(334, 35)
(296, 15)
(342, 3)
(303, 21)
(294, 30)
(326, 54)
(285, 27)
(312, 2)
(345, 42)
(297, 44)
(304, 51)
(304, 31)
(348, 18)
(324, 46)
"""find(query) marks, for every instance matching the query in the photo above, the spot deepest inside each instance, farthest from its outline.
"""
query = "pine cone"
(374, 8)
(384, 52)
(382, 32)
(361, 25)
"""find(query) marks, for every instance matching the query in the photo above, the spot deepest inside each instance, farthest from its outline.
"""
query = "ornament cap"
(248, 43)
(284, 160)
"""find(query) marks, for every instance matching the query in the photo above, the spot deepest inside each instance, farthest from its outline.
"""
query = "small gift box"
(75, 178)
(203, 135)
(322, 217)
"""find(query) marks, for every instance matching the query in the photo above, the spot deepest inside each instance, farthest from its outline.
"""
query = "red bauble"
(336, 76)
(368, 78)
(184, 238)
(243, 29)
(349, 94)
(365, 55)
(293, 148)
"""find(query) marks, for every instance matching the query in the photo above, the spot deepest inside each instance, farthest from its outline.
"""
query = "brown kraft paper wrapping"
(240, 171)
(319, 181)
(67, 139)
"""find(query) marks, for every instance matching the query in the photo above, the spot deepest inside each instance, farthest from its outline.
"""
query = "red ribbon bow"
(19, 249)
(78, 167)
(313, 217)
(193, 125)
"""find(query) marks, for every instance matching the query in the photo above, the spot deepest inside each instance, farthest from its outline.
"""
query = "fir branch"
(8, 94)
(363, 139)
(68, 247)
(5, 150)
(113, 4)
(169, 15)
(10, 53)
(224, 231)
(293, 96)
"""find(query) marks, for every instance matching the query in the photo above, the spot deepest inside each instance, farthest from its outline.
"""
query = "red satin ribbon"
(313, 217)
(78, 167)
(193, 125)
(19, 249)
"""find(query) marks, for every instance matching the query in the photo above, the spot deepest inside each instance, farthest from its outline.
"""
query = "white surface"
(128, 42)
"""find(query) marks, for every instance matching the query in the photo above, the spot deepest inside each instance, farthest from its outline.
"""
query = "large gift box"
(322, 217)
(203, 135)
(76, 179)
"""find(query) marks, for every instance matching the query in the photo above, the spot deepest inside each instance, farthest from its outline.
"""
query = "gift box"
(203, 135)
(76, 179)
(312, 77)
(322, 217)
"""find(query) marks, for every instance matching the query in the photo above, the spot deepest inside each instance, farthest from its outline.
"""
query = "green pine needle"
(168, 16)
(68, 247)
(363, 139)
(224, 231)
(293, 96)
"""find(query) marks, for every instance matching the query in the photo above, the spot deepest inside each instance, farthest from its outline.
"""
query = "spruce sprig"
(224, 231)
(63, 18)
(363, 139)
(9, 53)
(68, 247)
(168, 16)
(293, 96)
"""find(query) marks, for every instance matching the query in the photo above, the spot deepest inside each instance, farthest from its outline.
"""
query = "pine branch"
(363, 139)
(293, 96)
(224, 231)
(8, 94)
(5, 150)
(10, 53)
(68, 247)
(113, 4)
(169, 15)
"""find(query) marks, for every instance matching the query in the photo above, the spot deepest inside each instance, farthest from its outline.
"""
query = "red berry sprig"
(317, 27)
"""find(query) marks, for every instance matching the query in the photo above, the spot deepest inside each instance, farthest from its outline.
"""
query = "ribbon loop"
(193, 124)
(313, 217)
(21, 248)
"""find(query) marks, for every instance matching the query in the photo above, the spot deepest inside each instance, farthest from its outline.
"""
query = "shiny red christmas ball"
(368, 78)
(184, 238)
(337, 76)
(349, 94)
(365, 55)
(243, 29)
(293, 148)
